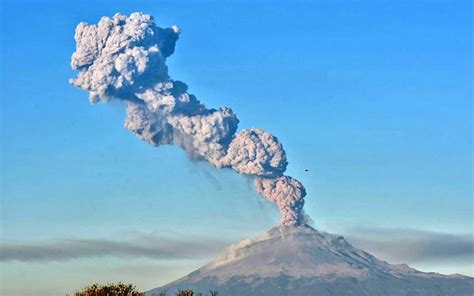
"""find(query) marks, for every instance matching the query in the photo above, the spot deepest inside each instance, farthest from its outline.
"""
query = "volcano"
(303, 261)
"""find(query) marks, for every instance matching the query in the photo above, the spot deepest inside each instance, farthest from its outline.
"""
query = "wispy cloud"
(144, 246)
(415, 246)
(393, 245)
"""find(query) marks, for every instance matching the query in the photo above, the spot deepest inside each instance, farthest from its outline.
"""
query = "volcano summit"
(289, 260)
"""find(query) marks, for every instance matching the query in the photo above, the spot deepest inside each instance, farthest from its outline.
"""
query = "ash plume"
(124, 58)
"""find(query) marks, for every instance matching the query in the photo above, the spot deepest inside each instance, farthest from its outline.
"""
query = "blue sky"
(372, 97)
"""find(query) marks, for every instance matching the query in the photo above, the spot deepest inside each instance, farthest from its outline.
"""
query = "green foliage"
(118, 289)
(121, 289)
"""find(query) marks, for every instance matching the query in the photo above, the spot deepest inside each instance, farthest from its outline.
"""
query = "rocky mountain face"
(303, 261)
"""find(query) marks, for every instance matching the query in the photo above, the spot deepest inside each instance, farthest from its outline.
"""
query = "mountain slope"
(303, 261)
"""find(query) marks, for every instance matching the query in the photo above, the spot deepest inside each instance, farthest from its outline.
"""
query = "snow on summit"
(299, 260)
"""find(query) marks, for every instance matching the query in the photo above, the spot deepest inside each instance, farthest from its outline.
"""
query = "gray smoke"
(124, 58)
(287, 193)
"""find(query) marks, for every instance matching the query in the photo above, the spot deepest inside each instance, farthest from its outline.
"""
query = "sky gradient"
(373, 98)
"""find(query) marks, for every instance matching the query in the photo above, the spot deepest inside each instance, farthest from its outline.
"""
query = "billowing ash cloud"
(256, 152)
(287, 193)
(124, 58)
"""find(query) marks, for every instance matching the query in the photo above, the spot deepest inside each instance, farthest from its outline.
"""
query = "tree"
(119, 289)
(185, 293)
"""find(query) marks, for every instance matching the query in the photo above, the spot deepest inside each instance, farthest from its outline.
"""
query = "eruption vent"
(124, 58)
